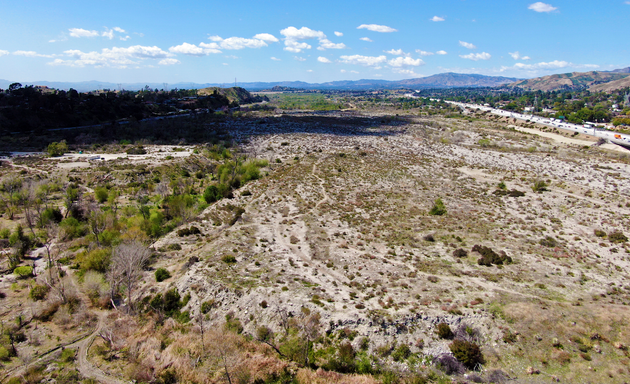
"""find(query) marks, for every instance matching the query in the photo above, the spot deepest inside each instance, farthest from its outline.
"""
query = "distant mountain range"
(443, 80)
(595, 81)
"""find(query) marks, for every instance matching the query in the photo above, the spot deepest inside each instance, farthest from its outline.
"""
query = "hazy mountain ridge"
(444, 80)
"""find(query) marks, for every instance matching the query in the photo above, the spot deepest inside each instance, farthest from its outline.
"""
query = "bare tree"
(128, 260)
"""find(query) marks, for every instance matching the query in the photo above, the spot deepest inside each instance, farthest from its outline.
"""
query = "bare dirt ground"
(340, 226)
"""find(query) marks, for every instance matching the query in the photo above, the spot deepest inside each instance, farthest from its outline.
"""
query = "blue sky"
(212, 41)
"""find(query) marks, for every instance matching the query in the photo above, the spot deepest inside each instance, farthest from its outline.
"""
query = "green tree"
(56, 149)
(438, 208)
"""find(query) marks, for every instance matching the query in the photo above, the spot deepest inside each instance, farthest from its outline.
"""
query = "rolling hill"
(575, 81)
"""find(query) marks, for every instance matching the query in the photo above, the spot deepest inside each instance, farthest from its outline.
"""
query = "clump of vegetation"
(438, 208)
(228, 259)
(617, 237)
(38, 292)
(56, 149)
(444, 331)
(460, 253)
(600, 233)
(188, 231)
(549, 241)
(489, 257)
(449, 365)
(468, 353)
(23, 272)
(539, 186)
(161, 274)
(510, 193)
(139, 150)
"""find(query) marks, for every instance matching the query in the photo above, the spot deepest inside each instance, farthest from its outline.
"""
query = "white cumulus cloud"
(441, 53)
(476, 56)
(377, 28)
(437, 18)
(80, 32)
(190, 50)
(364, 60)
(3, 52)
(467, 45)
(405, 62)
(275, 59)
(338, 34)
(169, 61)
(397, 52)
(322, 59)
(366, 39)
(539, 6)
(266, 37)
(517, 56)
(298, 58)
(327, 44)
(424, 53)
(293, 39)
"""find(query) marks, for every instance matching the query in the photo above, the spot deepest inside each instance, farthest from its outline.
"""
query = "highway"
(613, 137)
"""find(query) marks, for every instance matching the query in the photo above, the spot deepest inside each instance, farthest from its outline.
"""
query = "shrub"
(444, 331)
(174, 247)
(617, 237)
(206, 306)
(489, 257)
(101, 194)
(188, 231)
(549, 241)
(539, 186)
(401, 353)
(600, 233)
(38, 292)
(449, 365)
(459, 253)
(161, 274)
(438, 208)
(212, 194)
(51, 215)
(467, 353)
(56, 149)
(229, 259)
(139, 150)
(24, 271)
(96, 260)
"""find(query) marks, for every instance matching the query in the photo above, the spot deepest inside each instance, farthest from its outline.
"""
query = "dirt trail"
(83, 364)
(321, 183)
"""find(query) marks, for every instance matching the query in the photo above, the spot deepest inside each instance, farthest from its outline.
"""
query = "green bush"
(56, 149)
(600, 233)
(101, 194)
(206, 306)
(38, 292)
(72, 228)
(24, 271)
(617, 237)
(229, 259)
(161, 274)
(51, 215)
(489, 257)
(444, 331)
(438, 208)
(96, 260)
(467, 353)
(402, 352)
